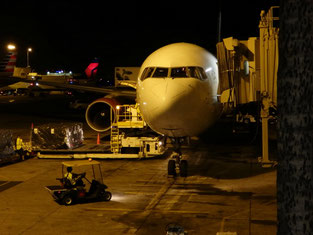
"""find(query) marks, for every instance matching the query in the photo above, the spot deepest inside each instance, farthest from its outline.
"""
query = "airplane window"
(160, 73)
(146, 73)
(203, 75)
(197, 72)
(193, 72)
(180, 72)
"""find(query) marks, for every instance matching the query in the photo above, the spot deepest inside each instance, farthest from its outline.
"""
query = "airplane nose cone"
(167, 94)
(166, 103)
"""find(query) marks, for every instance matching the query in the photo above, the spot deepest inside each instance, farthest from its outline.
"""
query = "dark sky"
(69, 34)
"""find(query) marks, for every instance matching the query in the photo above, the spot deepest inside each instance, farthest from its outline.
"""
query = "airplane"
(7, 68)
(177, 95)
(11, 79)
(8, 63)
(92, 69)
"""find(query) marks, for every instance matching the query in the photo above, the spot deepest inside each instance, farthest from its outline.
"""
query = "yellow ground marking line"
(5, 183)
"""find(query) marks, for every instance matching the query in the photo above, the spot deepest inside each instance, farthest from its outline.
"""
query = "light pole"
(28, 50)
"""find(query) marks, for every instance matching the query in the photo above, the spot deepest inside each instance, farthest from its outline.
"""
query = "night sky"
(69, 34)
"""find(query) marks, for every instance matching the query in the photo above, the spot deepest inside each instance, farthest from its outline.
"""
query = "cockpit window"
(146, 73)
(193, 72)
(190, 72)
(197, 72)
(160, 73)
(177, 72)
(203, 75)
(180, 72)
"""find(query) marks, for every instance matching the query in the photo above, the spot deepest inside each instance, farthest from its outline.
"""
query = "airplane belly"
(177, 107)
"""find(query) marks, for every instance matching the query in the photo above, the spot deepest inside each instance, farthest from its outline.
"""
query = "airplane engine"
(100, 113)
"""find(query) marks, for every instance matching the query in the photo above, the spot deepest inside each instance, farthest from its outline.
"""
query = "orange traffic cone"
(98, 139)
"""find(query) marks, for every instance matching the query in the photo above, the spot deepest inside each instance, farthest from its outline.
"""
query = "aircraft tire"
(171, 167)
(183, 168)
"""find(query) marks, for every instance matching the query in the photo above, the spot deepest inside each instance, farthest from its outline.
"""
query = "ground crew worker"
(19, 147)
(69, 176)
(72, 179)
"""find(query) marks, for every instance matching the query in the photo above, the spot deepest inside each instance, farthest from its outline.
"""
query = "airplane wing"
(6, 80)
(107, 90)
(131, 84)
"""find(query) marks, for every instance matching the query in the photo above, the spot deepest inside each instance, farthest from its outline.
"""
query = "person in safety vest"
(69, 176)
(72, 179)
(19, 147)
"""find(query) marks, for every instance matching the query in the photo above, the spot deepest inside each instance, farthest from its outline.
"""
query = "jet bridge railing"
(129, 116)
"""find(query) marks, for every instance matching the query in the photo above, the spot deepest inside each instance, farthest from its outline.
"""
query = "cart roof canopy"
(80, 163)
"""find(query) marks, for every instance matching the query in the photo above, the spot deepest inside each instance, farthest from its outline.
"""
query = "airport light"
(11, 47)
(28, 50)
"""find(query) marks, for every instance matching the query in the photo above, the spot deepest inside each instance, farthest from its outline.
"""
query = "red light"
(81, 194)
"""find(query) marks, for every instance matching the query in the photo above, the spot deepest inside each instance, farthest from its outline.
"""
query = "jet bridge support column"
(264, 159)
(268, 76)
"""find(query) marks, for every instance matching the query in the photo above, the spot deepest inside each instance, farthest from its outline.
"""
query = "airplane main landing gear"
(176, 162)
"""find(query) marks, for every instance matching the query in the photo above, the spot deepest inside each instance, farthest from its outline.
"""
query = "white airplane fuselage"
(177, 90)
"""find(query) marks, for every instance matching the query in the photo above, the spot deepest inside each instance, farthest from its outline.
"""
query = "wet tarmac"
(225, 191)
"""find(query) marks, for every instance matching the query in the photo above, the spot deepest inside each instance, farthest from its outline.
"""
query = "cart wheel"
(106, 196)
(67, 200)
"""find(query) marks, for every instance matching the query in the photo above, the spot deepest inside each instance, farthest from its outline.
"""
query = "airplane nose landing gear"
(176, 162)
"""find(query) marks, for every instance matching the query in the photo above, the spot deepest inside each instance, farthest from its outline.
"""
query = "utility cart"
(79, 188)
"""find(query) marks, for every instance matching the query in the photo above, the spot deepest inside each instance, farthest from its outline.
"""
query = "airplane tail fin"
(8, 63)
(92, 68)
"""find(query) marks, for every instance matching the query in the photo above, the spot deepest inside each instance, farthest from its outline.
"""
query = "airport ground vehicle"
(68, 194)
(130, 138)
(175, 229)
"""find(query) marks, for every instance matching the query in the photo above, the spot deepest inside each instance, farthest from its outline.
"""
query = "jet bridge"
(248, 75)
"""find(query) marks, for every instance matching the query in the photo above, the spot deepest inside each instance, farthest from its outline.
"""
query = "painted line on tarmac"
(156, 199)
(160, 194)
(153, 210)
(8, 184)
(150, 207)
(113, 209)
(168, 194)
(228, 218)
(140, 193)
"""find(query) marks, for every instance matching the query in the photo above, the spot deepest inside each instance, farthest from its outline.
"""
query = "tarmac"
(225, 191)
